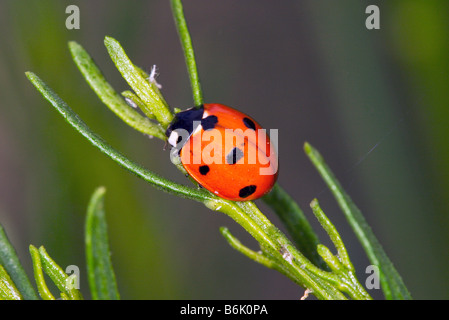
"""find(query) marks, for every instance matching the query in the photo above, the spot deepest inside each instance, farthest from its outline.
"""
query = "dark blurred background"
(374, 102)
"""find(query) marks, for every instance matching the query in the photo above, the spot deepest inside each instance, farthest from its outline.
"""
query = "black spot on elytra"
(204, 170)
(209, 122)
(247, 191)
(249, 123)
(234, 155)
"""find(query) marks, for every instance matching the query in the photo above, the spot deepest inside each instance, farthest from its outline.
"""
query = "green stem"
(256, 256)
(392, 284)
(276, 246)
(333, 234)
(11, 263)
(296, 222)
(342, 269)
(189, 54)
(259, 257)
(75, 121)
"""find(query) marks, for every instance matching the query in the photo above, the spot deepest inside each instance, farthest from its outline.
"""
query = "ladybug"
(225, 151)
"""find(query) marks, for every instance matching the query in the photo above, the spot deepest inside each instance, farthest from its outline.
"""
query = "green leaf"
(74, 120)
(296, 222)
(333, 234)
(58, 276)
(8, 290)
(276, 249)
(101, 275)
(44, 292)
(391, 282)
(109, 96)
(340, 264)
(256, 256)
(11, 263)
(152, 100)
(137, 103)
(186, 42)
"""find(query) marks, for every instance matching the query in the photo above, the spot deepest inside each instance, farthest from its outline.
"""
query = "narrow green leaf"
(8, 290)
(277, 247)
(151, 78)
(152, 100)
(256, 256)
(135, 100)
(64, 296)
(101, 275)
(58, 276)
(74, 120)
(109, 96)
(296, 222)
(44, 292)
(186, 42)
(391, 282)
(259, 257)
(11, 263)
(333, 262)
(333, 234)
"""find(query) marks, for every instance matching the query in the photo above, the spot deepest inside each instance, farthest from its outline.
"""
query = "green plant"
(305, 261)
(14, 283)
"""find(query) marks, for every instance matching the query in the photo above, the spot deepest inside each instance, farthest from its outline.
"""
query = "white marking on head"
(173, 139)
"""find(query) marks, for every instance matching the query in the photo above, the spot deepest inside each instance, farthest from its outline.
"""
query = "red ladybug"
(225, 151)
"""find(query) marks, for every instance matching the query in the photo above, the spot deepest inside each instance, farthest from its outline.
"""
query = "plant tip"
(307, 147)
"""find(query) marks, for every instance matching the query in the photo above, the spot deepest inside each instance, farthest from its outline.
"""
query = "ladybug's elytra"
(225, 151)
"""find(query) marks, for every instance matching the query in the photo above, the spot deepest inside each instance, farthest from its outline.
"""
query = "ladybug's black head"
(182, 126)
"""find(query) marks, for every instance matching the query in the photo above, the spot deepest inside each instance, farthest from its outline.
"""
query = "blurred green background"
(374, 102)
